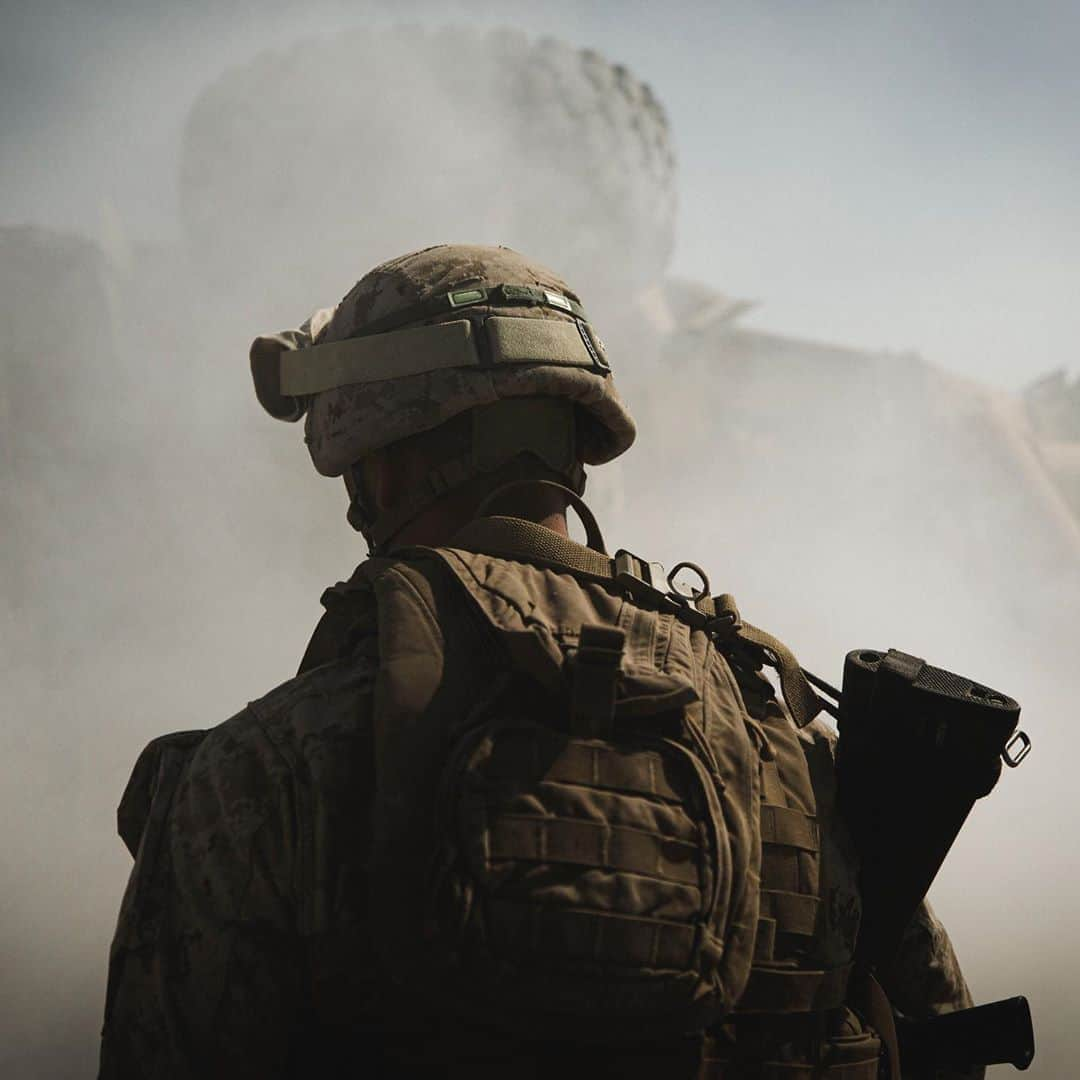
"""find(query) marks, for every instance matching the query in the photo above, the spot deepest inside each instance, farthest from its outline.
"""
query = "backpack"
(566, 816)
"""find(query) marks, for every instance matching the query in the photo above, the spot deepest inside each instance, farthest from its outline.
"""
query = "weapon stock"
(918, 746)
(996, 1034)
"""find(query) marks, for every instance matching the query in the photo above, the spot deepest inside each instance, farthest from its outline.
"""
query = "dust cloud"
(165, 543)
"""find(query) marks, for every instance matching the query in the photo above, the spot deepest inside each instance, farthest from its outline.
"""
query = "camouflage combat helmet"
(431, 335)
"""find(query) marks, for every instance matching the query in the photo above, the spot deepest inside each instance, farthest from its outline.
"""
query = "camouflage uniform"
(245, 943)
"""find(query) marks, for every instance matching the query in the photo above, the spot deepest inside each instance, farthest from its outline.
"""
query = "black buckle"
(646, 580)
(633, 571)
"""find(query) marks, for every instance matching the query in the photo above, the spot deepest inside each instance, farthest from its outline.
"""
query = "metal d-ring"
(1012, 757)
(695, 594)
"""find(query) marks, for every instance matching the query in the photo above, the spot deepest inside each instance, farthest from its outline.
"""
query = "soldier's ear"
(382, 477)
(386, 479)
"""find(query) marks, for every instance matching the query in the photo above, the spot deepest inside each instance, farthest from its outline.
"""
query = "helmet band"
(283, 381)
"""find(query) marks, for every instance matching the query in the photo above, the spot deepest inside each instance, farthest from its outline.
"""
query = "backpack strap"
(593, 537)
(525, 541)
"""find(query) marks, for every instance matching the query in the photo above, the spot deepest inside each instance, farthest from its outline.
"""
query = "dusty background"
(900, 178)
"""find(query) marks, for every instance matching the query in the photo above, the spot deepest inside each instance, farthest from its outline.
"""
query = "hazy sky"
(897, 176)
(901, 176)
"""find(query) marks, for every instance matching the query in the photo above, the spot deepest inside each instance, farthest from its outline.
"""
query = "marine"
(526, 805)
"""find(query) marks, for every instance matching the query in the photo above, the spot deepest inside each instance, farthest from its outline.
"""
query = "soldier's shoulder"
(307, 720)
(332, 698)
(309, 717)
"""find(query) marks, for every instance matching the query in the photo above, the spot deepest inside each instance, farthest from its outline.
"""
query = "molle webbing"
(790, 847)
(573, 842)
(598, 936)
(789, 900)
(789, 827)
(516, 539)
(794, 990)
(597, 765)
(791, 912)
(865, 1069)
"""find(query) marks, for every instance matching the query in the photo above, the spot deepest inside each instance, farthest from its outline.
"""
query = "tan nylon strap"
(593, 536)
(789, 827)
(516, 539)
(419, 350)
(781, 868)
(789, 990)
(765, 940)
(794, 912)
(801, 700)
(593, 843)
(596, 936)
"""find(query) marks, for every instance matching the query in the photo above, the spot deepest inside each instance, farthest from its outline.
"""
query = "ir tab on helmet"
(466, 297)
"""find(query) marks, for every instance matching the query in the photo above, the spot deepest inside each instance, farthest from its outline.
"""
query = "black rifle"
(918, 746)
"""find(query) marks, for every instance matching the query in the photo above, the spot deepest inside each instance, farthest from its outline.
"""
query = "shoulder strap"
(515, 538)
